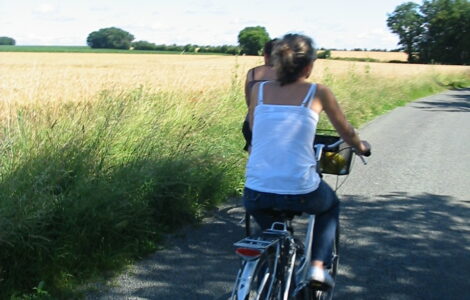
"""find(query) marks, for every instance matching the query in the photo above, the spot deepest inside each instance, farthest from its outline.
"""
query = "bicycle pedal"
(319, 286)
(299, 246)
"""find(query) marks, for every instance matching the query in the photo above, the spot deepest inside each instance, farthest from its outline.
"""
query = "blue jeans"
(322, 202)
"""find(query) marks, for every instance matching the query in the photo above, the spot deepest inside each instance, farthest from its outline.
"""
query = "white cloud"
(99, 8)
(46, 9)
(376, 38)
(210, 7)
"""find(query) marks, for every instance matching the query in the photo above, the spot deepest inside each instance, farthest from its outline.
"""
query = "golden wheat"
(382, 56)
(52, 77)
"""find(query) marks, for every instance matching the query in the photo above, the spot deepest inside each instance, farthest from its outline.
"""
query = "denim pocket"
(251, 200)
(250, 195)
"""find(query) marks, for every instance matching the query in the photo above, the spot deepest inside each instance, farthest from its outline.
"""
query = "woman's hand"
(365, 148)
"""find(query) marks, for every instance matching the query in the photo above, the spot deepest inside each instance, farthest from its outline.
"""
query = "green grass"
(86, 49)
(87, 188)
(364, 97)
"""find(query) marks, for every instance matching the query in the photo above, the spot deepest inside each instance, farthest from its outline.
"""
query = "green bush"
(324, 54)
(143, 45)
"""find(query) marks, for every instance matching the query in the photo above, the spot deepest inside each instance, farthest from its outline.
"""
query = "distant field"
(382, 56)
(82, 49)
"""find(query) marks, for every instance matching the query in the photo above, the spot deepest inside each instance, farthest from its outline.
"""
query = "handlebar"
(319, 148)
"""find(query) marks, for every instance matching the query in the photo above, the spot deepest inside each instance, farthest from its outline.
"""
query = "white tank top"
(282, 159)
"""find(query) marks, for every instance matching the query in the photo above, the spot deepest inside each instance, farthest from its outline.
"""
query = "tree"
(438, 31)
(112, 38)
(447, 38)
(406, 21)
(4, 40)
(252, 40)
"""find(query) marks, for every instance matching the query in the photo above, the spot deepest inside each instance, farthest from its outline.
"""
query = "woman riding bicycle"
(254, 75)
(281, 170)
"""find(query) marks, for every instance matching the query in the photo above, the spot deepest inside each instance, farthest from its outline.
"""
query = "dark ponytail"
(291, 55)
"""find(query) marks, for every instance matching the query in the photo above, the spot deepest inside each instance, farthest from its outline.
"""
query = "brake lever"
(364, 161)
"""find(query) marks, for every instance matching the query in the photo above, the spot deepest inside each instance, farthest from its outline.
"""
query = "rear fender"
(246, 276)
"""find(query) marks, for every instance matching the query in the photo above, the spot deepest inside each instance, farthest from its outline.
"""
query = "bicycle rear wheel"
(260, 281)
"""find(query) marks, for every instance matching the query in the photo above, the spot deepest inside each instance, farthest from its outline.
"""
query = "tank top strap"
(260, 92)
(310, 95)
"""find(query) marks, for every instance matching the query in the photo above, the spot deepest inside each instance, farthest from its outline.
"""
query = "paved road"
(405, 219)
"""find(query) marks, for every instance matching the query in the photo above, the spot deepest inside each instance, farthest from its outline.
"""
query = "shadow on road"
(404, 246)
(459, 103)
(393, 246)
(198, 264)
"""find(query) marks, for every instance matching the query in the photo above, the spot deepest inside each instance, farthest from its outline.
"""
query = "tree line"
(116, 38)
(438, 31)
(251, 41)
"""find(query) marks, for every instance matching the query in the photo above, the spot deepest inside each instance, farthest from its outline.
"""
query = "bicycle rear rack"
(268, 238)
(261, 243)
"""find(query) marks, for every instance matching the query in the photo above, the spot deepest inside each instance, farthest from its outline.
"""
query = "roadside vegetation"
(92, 182)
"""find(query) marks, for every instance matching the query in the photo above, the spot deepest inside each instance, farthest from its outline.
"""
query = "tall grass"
(87, 186)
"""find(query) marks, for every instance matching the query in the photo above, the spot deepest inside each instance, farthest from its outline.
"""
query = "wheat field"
(379, 55)
(45, 77)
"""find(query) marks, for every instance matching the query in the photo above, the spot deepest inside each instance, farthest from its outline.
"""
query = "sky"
(341, 24)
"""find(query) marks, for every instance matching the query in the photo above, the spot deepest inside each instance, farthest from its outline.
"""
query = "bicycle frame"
(302, 272)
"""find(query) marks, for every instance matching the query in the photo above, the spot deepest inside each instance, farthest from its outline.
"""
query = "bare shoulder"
(325, 94)
(323, 91)
(249, 74)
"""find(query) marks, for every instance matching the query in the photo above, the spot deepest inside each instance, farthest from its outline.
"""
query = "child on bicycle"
(281, 170)
(254, 75)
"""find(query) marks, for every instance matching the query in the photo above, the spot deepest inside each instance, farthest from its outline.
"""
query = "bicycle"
(275, 263)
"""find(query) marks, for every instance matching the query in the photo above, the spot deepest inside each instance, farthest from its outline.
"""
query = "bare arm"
(248, 78)
(338, 119)
(251, 109)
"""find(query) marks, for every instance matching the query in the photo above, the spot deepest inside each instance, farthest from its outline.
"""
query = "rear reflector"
(248, 252)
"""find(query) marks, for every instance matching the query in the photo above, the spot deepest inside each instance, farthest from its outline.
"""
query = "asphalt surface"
(405, 219)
